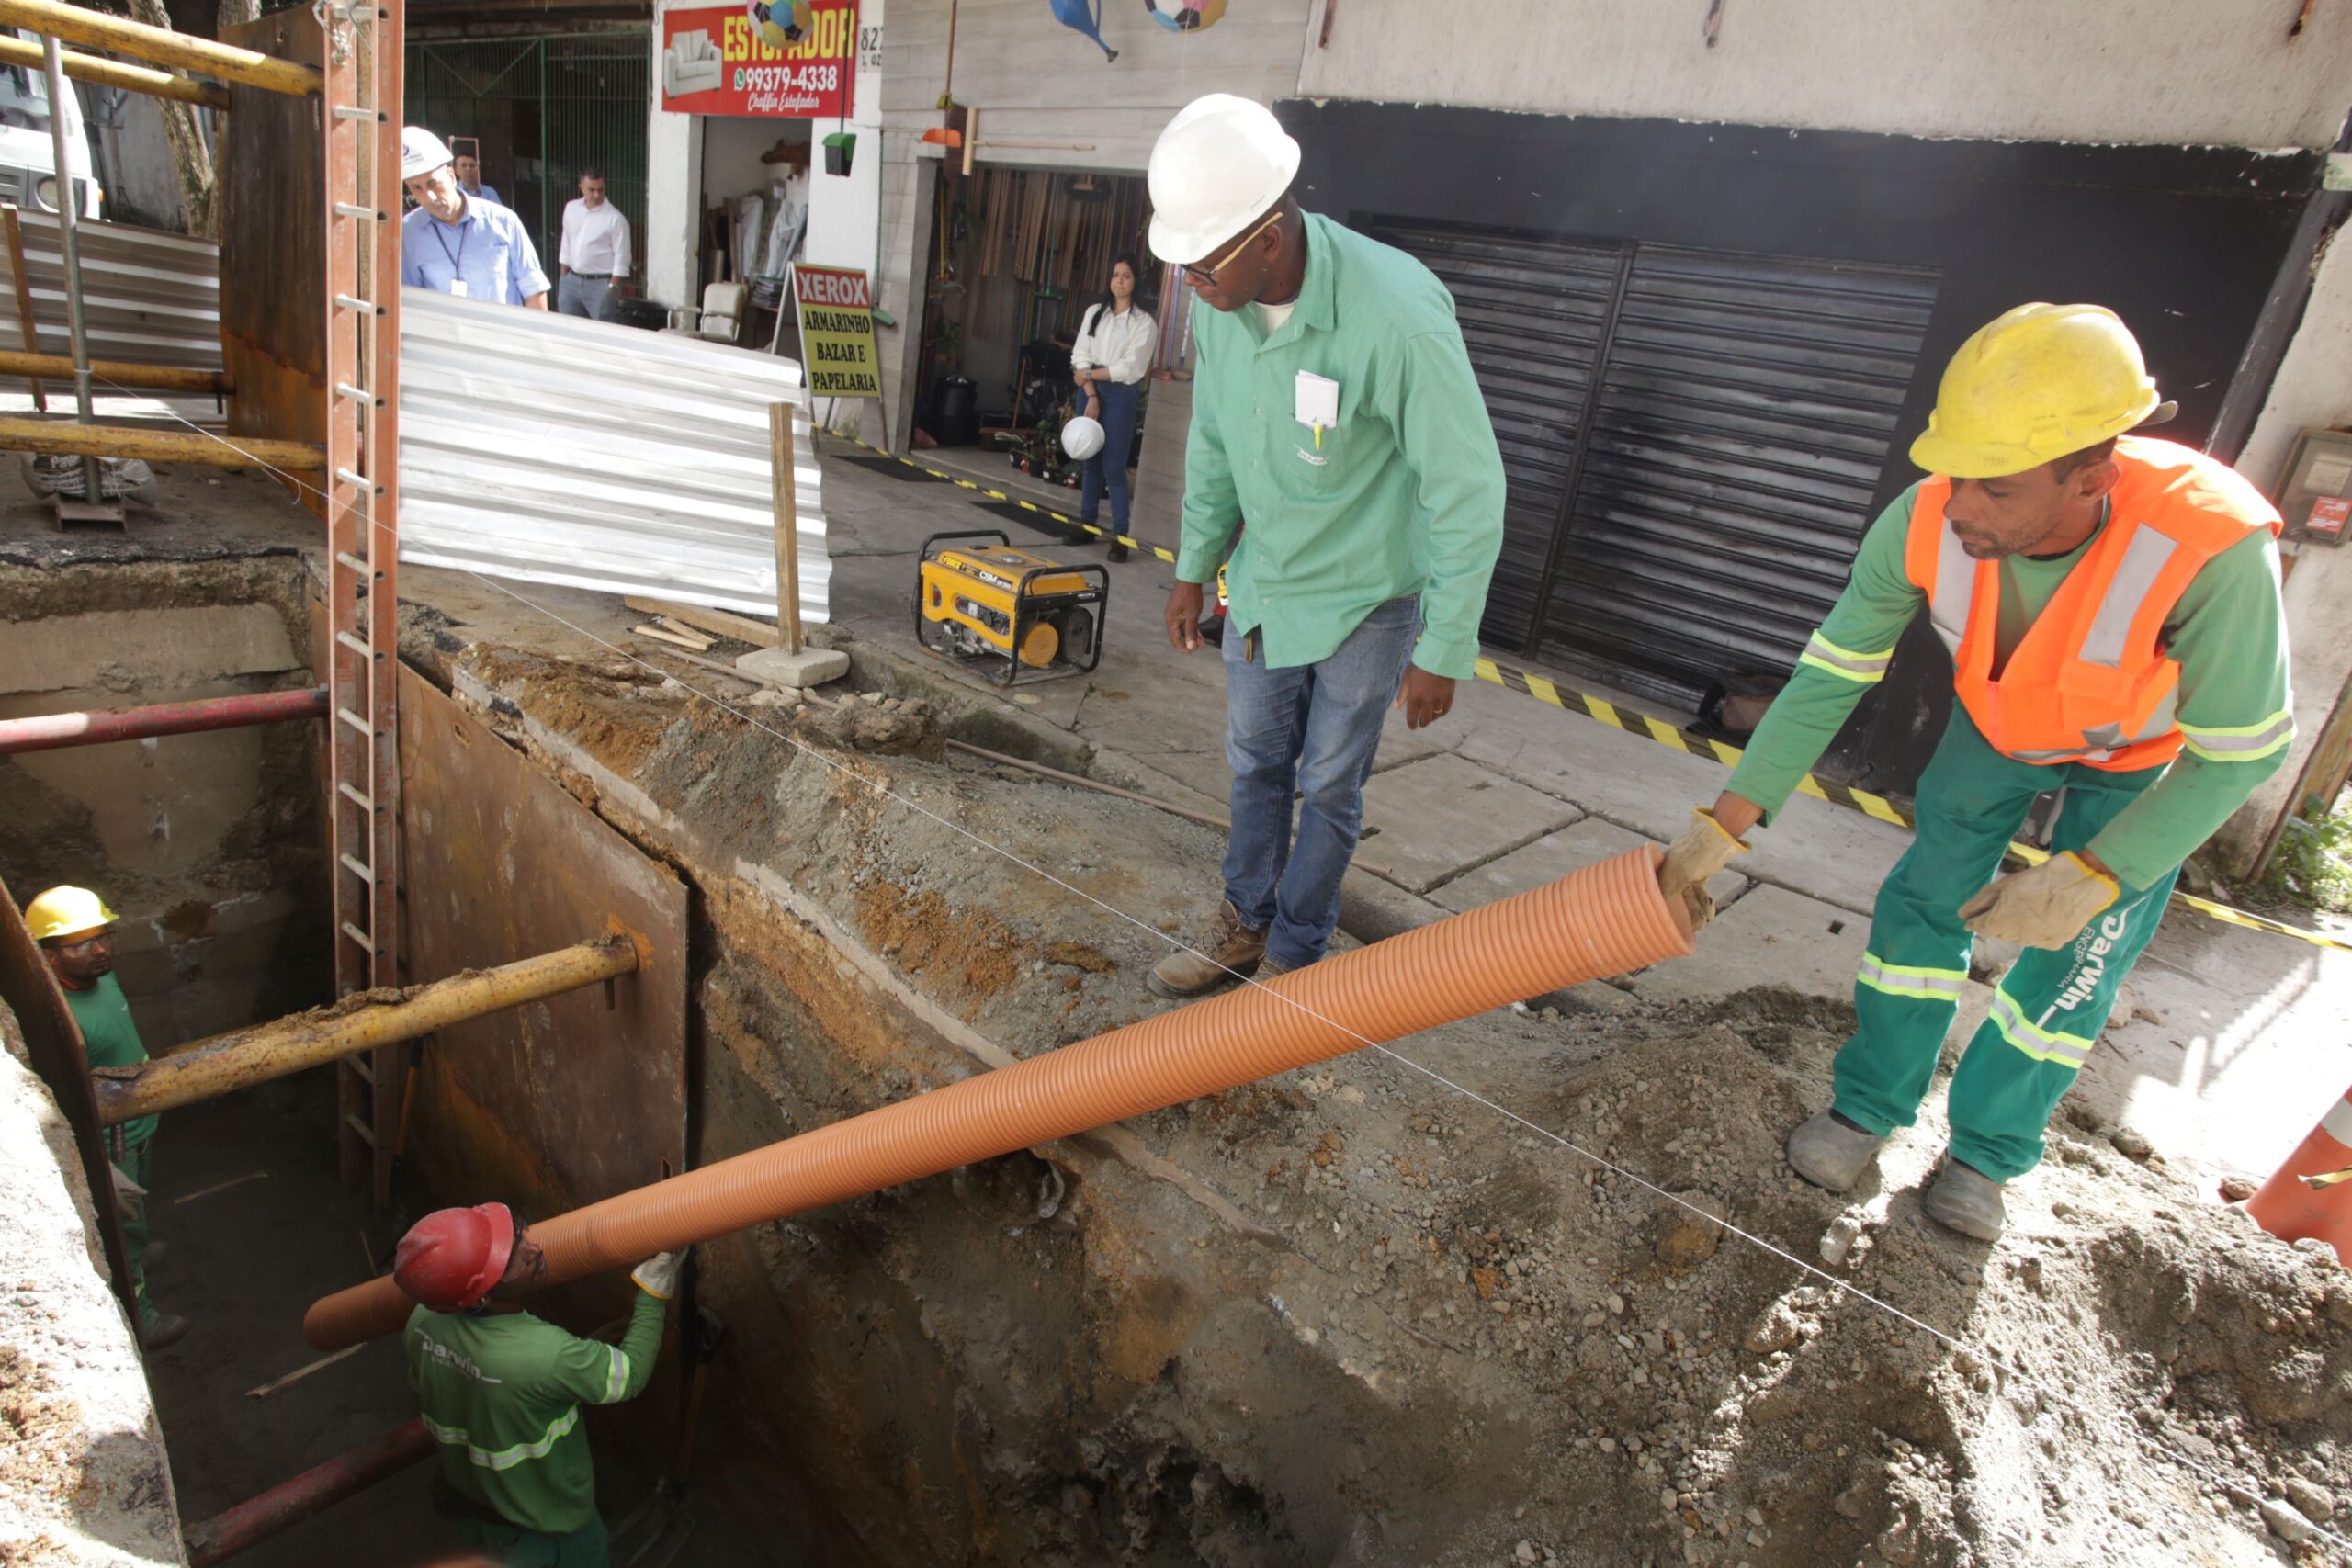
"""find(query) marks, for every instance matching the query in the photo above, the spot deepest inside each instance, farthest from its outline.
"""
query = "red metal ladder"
(361, 121)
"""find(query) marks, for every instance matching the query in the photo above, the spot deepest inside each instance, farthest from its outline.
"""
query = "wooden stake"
(787, 525)
(17, 276)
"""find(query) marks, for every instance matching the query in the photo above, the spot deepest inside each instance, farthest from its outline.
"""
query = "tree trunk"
(191, 159)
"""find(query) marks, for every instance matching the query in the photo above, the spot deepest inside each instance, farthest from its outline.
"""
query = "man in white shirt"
(595, 253)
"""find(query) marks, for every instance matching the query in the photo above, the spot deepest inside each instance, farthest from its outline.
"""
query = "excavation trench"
(1345, 1314)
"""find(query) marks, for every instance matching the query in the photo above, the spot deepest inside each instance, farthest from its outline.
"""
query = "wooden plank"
(787, 524)
(724, 622)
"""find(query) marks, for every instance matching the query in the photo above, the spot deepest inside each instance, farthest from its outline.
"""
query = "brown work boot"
(1230, 948)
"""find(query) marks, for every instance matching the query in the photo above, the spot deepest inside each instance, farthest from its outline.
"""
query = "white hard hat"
(1222, 162)
(421, 152)
(1082, 437)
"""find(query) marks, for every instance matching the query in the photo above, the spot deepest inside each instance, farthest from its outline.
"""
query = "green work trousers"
(2049, 1008)
(511, 1546)
(135, 1161)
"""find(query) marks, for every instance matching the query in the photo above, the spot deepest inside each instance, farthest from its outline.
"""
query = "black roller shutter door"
(1533, 314)
(1746, 409)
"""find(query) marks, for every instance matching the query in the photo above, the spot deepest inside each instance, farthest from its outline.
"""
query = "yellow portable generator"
(977, 598)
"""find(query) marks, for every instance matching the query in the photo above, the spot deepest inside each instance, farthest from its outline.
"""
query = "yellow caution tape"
(1026, 505)
(1884, 808)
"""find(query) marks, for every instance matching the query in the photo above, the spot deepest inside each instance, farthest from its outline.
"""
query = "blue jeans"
(590, 297)
(1311, 730)
(1108, 468)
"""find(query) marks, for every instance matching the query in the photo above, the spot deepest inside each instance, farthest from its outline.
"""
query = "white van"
(28, 155)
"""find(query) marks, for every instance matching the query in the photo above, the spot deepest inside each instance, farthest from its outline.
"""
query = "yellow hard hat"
(66, 911)
(2040, 382)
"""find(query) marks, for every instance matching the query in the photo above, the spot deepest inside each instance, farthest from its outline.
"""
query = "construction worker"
(2111, 605)
(455, 243)
(501, 1388)
(75, 931)
(1334, 404)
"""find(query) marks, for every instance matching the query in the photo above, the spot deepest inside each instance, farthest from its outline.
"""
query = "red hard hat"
(450, 1259)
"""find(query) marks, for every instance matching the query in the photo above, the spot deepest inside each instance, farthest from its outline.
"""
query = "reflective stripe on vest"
(2091, 681)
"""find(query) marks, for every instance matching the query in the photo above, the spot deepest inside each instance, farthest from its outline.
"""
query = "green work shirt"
(502, 1394)
(1403, 495)
(2227, 633)
(112, 1040)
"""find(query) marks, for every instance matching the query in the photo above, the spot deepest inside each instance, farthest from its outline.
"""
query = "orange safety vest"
(2091, 681)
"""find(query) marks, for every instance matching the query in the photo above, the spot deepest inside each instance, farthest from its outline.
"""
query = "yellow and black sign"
(837, 332)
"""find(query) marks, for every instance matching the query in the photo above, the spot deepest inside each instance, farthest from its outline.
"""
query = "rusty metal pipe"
(1604, 920)
(243, 1057)
(96, 30)
(122, 373)
(20, 432)
(107, 73)
(287, 1504)
(46, 732)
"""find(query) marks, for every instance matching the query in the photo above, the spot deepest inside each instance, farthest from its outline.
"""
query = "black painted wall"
(2184, 243)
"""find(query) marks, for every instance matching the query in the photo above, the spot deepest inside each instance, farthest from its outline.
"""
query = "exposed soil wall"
(1350, 1315)
(83, 1478)
(207, 844)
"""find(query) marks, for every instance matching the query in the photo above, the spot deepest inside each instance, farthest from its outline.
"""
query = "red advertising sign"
(795, 59)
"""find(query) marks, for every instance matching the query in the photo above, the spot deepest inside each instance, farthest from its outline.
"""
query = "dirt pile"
(2129, 1346)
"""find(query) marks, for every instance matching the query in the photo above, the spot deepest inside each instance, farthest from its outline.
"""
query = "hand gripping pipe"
(1604, 920)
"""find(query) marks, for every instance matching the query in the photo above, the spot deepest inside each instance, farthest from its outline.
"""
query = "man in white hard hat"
(455, 243)
(75, 931)
(1334, 405)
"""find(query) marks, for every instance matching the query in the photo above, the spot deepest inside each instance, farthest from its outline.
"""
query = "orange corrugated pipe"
(1604, 920)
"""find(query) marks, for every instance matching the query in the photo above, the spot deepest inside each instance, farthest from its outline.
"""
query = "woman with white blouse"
(1117, 340)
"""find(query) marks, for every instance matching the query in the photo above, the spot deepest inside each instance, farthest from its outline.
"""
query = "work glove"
(1693, 860)
(658, 1275)
(126, 1194)
(2042, 905)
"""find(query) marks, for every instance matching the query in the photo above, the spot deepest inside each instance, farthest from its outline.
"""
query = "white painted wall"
(1035, 81)
(673, 193)
(2313, 390)
(846, 211)
(2179, 72)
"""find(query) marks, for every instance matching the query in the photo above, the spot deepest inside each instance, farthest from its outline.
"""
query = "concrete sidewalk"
(2235, 1043)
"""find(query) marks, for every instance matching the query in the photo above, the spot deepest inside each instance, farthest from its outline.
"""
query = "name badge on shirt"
(458, 288)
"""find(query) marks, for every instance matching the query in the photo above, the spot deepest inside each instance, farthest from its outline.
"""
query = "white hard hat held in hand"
(422, 153)
(1082, 437)
(1222, 163)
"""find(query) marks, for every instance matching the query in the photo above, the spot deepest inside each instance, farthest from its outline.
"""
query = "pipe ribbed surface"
(1604, 920)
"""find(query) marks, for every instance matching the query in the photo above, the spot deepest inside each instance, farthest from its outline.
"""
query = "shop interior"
(1016, 257)
(754, 219)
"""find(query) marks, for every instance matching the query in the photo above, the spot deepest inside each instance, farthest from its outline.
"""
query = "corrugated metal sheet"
(147, 297)
(1746, 407)
(554, 449)
(1534, 316)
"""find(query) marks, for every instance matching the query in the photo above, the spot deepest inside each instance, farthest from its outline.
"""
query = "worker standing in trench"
(75, 931)
(1334, 404)
(2111, 605)
(501, 1388)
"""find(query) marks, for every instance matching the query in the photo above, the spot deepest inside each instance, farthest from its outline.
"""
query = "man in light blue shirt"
(459, 245)
(470, 180)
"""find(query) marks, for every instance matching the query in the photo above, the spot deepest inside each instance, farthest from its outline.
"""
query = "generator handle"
(996, 534)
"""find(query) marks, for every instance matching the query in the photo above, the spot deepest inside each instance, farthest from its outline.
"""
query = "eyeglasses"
(1200, 274)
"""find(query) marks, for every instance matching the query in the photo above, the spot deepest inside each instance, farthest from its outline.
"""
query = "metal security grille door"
(543, 108)
(1535, 314)
(1692, 440)
(1746, 410)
